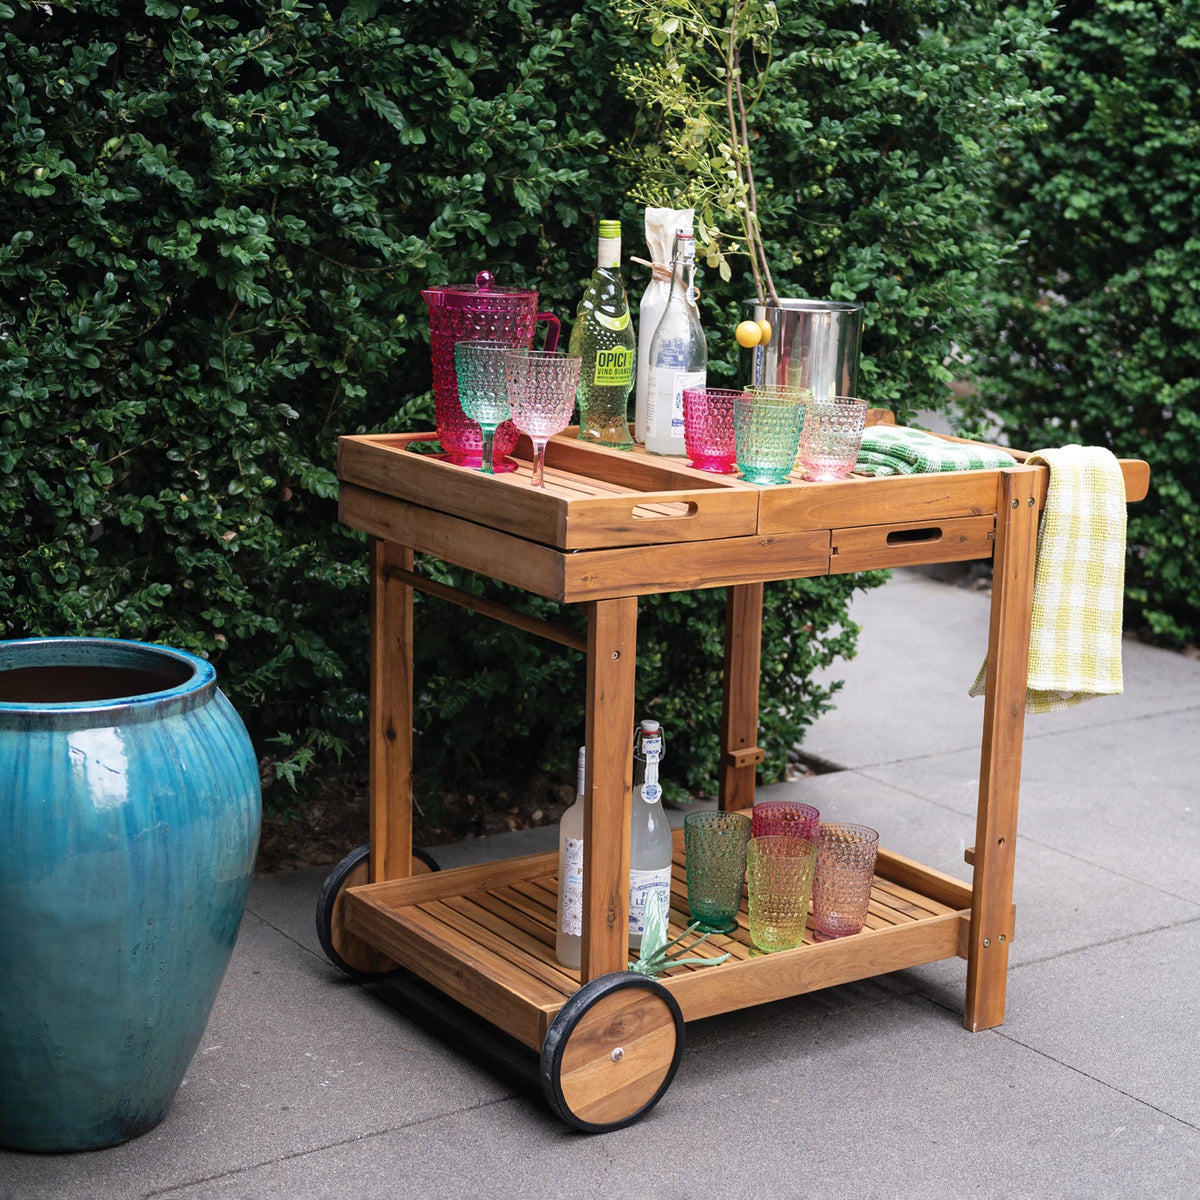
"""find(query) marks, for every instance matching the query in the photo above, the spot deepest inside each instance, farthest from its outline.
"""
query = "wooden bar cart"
(610, 527)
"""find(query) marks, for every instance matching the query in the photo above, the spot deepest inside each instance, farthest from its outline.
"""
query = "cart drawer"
(868, 547)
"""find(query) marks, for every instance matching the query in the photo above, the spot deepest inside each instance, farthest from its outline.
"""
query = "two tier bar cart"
(610, 527)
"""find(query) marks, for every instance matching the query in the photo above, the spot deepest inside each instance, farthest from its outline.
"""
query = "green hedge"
(1097, 330)
(218, 220)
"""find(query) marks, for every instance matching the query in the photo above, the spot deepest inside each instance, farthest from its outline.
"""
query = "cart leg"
(391, 713)
(739, 710)
(1000, 760)
(611, 665)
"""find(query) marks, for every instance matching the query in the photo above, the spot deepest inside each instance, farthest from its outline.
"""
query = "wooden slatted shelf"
(505, 929)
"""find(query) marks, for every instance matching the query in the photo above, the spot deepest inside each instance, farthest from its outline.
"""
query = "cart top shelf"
(601, 524)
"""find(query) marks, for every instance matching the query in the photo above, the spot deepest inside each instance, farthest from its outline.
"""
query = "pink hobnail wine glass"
(541, 393)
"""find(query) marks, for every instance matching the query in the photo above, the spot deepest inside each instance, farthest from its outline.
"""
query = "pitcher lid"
(484, 287)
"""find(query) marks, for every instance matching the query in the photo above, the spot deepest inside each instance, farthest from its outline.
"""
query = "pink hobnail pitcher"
(474, 312)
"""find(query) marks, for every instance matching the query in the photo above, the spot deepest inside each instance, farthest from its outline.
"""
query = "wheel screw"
(618, 1054)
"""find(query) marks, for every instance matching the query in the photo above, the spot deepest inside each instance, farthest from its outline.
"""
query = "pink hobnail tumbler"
(786, 818)
(481, 311)
(708, 428)
(831, 437)
(842, 886)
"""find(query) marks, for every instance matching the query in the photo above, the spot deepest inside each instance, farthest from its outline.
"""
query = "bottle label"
(614, 367)
(641, 885)
(571, 888)
(616, 324)
(669, 388)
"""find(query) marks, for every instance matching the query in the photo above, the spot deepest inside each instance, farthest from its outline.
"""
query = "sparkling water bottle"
(650, 844)
(678, 353)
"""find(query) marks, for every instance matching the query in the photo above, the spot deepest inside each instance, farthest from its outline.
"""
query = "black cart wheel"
(351, 955)
(611, 1052)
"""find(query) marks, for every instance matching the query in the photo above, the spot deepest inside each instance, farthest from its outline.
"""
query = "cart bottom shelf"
(485, 937)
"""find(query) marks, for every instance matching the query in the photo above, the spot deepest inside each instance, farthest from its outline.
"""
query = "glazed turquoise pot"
(130, 812)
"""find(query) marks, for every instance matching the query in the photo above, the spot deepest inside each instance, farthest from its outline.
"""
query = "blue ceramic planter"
(130, 812)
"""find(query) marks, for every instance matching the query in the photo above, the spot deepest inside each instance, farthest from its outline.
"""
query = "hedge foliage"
(1097, 326)
(217, 223)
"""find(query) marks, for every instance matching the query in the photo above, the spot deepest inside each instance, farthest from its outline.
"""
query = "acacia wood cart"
(608, 528)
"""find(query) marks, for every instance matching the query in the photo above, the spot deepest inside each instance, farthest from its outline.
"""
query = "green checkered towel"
(1078, 582)
(897, 450)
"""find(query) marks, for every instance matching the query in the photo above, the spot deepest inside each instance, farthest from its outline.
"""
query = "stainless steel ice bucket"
(814, 344)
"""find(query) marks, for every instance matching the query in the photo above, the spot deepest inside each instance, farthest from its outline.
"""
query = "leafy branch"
(702, 157)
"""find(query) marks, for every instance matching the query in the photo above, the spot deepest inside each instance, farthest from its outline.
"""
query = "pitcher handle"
(552, 329)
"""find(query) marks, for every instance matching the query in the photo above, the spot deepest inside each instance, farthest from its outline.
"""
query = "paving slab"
(1125, 1013)
(920, 646)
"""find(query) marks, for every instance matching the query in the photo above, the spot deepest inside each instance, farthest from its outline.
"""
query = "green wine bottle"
(604, 337)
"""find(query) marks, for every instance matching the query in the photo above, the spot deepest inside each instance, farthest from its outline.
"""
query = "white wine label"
(571, 886)
(614, 367)
(641, 885)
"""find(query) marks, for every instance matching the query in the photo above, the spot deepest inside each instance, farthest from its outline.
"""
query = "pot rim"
(800, 304)
(199, 679)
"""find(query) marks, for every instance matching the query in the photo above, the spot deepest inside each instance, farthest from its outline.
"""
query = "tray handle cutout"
(666, 510)
(909, 537)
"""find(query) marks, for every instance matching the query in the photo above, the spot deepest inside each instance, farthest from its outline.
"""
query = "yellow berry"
(748, 334)
(765, 326)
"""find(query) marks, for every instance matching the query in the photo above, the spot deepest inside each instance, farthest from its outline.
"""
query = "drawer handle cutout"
(902, 537)
(672, 510)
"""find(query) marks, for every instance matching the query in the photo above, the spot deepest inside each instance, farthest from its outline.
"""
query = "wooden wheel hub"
(612, 1051)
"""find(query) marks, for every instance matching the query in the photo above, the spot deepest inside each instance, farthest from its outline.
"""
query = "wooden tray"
(593, 496)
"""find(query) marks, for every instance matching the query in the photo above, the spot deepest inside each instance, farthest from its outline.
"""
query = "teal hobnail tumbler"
(766, 432)
(715, 857)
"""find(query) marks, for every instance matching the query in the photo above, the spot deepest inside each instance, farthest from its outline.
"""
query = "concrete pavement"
(308, 1086)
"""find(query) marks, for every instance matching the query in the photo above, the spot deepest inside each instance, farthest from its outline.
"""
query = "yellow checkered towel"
(1078, 583)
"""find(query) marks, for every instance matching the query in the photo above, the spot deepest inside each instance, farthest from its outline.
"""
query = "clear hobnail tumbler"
(842, 886)
(786, 818)
(766, 431)
(779, 881)
(715, 857)
(708, 428)
(831, 437)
